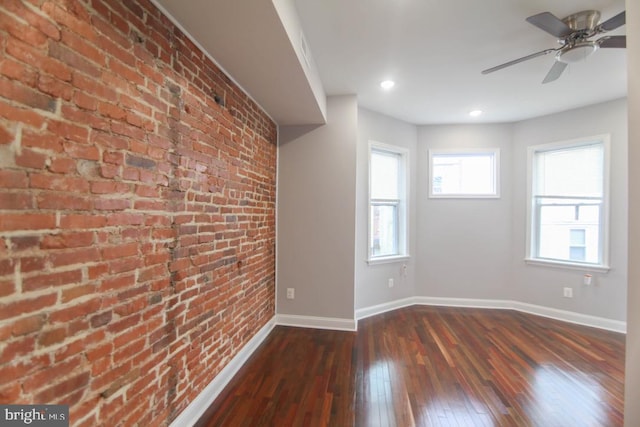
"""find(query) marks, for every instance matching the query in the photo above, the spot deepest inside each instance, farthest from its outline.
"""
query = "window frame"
(493, 151)
(402, 203)
(532, 208)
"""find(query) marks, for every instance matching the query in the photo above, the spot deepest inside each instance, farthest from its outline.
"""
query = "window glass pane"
(384, 230)
(384, 175)
(576, 237)
(575, 171)
(463, 174)
(559, 239)
(577, 253)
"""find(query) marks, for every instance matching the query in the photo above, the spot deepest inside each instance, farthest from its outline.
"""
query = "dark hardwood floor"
(431, 366)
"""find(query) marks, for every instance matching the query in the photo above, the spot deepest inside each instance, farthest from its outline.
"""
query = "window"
(387, 202)
(569, 203)
(464, 173)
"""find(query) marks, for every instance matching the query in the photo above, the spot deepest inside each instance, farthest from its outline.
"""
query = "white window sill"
(568, 265)
(388, 259)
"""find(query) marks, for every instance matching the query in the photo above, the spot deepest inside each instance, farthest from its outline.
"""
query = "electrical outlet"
(391, 283)
(291, 293)
(568, 292)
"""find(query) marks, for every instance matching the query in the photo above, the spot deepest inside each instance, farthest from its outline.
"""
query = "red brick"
(28, 325)
(62, 389)
(60, 183)
(109, 171)
(62, 165)
(18, 71)
(43, 140)
(13, 222)
(112, 204)
(82, 221)
(27, 117)
(7, 287)
(81, 151)
(80, 46)
(17, 348)
(67, 240)
(77, 256)
(97, 271)
(85, 100)
(34, 19)
(13, 179)
(21, 31)
(27, 96)
(109, 187)
(63, 201)
(122, 265)
(110, 110)
(52, 336)
(126, 219)
(51, 279)
(78, 291)
(77, 311)
(69, 131)
(119, 282)
(24, 242)
(128, 249)
(16, 201)
(10, 393)
(31, 159)
(94, 87)
(54, 87)
(32, 263)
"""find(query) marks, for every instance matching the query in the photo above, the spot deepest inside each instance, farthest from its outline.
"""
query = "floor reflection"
(566, 398)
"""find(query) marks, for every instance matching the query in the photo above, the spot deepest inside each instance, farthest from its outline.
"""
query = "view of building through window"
(386, 216)
(568, 203)
(464, 174)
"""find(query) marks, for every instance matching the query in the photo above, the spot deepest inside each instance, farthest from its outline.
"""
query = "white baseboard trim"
(572, 317)
(316, 322)
(563, 315)
(365, 312)
(194, 411)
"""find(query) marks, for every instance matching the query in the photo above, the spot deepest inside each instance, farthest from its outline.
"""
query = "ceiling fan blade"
(613, 41)
(551, 24)
(517, 61)
(555, 72)
(612, 23)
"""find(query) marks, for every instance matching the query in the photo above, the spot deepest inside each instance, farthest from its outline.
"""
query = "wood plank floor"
(431, 366)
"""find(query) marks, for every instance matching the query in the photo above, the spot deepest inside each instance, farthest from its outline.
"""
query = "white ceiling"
(433, 49)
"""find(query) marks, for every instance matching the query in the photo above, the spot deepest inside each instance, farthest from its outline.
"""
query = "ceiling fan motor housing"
(576, 46)
(587, 20)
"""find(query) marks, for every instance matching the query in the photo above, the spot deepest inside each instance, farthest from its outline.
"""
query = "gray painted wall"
(632, 374)
(464, 245)
(316, 214)
(542, 285)
(372, 280)
(475, 248)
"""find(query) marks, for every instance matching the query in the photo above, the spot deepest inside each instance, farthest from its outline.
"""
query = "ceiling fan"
(573, 33)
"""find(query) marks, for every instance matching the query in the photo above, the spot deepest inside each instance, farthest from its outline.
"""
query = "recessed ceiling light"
(387, 84)
(475, 113)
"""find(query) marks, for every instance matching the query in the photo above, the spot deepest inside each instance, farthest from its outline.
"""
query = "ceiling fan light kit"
(573, 34)
(576, 52)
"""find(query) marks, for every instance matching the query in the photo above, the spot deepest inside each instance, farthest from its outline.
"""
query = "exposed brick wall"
(137, 216)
